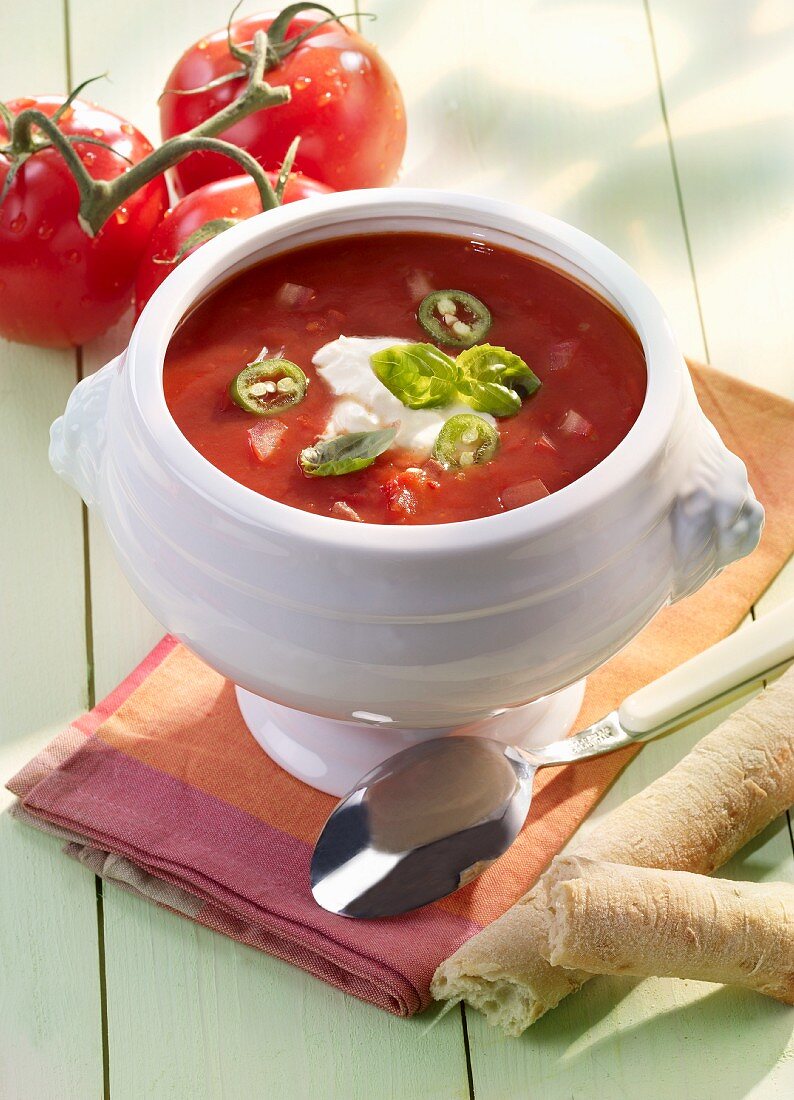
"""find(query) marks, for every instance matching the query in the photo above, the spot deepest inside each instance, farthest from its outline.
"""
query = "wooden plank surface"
(50, 1038)
(192, 1013)
(729, 94)
(620, 117)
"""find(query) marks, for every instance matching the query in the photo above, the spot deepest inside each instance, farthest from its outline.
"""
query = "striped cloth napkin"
(162, 790)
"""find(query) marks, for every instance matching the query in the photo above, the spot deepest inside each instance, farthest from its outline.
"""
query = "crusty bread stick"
(607, 918)
(694, 818)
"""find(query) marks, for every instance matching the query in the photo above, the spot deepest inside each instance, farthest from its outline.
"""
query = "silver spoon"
(433, 817)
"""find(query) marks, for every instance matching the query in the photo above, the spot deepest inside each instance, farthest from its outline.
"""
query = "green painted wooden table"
(663, 127)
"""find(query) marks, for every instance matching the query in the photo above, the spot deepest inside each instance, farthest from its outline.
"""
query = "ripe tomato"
(346, 107)
(58, 286)
(236, 199)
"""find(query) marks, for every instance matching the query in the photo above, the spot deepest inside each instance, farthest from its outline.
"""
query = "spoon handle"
(681, 693)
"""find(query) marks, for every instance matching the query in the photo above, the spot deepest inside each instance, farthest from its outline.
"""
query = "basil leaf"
(489, 397)
(486, 363)
(345, 453)
(419, 375)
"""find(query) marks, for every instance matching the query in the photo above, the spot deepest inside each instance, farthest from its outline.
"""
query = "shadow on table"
(731, 1036)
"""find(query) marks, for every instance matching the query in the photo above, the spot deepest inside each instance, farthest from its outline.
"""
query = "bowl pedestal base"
(333, 755)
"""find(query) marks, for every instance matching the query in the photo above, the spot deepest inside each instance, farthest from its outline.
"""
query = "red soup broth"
(589, 360)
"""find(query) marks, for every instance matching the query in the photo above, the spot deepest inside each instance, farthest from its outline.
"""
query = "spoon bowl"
(467, 795)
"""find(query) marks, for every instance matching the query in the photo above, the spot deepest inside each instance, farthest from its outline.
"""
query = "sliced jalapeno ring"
(268, 387)
(454, 317)
(465, 440)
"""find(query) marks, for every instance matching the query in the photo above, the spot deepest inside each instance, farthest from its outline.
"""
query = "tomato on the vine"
(345, 106)
(214, 206)
(60, 287)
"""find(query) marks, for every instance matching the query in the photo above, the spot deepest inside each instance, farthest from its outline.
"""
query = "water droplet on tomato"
(88, 157)
(72, 256)
(398, 113)
(352, 61)
(234, 210)
(202, 44)
(45, 231)
(17, 224)
(332, 71)
(325, 99)
(98, 133)
(301, 83)
(67, 114)
(127, 128)
(122, 215)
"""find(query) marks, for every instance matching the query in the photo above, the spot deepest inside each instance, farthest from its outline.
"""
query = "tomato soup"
(404, 378)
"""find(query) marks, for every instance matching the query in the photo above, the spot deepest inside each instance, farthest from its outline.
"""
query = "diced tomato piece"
(294, 296)
(419, 284)
(545, 445)
(401, 500)
(402, 492)
(516, 496)
(342, 510)
(265, 437)
(561, 354)
(575, 424)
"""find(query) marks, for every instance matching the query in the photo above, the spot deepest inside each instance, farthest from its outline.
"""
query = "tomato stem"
(100, 198)
(278, 46)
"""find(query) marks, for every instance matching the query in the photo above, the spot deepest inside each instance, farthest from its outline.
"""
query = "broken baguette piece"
(607, 918)
(735, 781)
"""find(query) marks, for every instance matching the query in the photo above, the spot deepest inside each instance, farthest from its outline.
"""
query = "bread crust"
(735, 781)
(607, 918)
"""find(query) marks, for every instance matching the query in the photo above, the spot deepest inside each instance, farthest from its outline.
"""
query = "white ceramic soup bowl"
(349, 641)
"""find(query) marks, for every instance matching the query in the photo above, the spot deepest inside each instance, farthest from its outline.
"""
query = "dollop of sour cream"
(364, 404)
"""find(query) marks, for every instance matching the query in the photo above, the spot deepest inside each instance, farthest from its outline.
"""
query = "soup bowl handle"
(716, 518)
(77, 439)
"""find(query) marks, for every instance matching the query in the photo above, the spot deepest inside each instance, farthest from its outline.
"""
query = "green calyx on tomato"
(465, 440)
(486, 377)
(24, 142)
(346, 453)
(278, 45)
(268, 387)
(204, 233)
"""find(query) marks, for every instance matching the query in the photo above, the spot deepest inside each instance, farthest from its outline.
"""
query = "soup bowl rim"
(250, 240)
